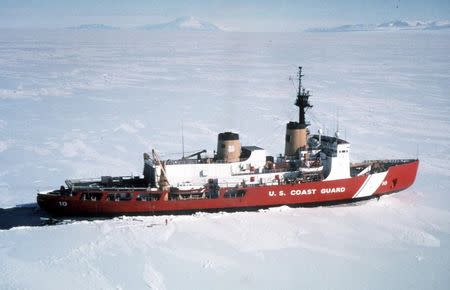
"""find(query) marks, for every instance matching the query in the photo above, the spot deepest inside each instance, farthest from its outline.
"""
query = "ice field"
(88, 103)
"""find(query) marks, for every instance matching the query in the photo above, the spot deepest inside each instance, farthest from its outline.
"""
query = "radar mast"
(302, 101)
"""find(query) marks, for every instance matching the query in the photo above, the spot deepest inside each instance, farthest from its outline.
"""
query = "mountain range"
(190, 23)
(180, 24)
(94, 27)
(386, 26)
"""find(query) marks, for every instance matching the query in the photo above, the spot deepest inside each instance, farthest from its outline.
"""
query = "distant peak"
(184, 23)
(189, 22)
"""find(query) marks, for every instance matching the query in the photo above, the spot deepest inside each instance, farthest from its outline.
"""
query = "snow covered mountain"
(386, 26)
(396, 23)
(417, 25)
(184, 24)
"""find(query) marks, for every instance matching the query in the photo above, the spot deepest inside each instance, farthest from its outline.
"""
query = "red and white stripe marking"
(371, 184)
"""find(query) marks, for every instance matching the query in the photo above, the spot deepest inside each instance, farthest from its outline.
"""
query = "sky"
(252, 15)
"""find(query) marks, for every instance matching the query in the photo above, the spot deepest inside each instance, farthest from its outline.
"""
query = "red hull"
(398, 177)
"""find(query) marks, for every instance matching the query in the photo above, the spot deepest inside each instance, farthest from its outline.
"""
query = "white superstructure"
(198, 172)
(326, 158)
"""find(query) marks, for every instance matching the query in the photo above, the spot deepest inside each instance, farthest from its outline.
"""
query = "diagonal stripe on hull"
(371, 184)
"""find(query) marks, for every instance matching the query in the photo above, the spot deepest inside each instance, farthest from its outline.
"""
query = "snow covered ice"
(88, 103)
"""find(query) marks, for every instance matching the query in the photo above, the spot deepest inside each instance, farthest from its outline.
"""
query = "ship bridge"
(335, 157)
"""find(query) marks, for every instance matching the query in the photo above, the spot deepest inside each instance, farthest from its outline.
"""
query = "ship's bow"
(401, 175)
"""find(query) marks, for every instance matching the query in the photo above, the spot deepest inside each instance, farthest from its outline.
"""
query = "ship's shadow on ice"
(31, 215)
(23, 215)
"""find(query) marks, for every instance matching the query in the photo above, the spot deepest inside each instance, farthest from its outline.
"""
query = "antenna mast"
(300, 78)
(337, 133)
(182, 139)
